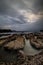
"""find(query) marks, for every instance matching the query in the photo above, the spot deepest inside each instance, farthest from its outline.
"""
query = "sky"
(21, 15)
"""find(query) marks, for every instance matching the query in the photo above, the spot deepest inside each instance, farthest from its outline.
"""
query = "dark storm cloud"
(10, 5)
(38, 6)
(6, 8)
(34, 5)
(8, 20)
(12, 12)
(3, 6)
(36, 26)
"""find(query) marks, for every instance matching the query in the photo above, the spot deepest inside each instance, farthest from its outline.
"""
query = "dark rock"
(29, 36)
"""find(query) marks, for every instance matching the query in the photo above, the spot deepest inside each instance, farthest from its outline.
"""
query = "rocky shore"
(17, 42)
(37, 42)
(23, 59)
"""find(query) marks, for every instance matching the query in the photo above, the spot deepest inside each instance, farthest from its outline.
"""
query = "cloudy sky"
(21, 15)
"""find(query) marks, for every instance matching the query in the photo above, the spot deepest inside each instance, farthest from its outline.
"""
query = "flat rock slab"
(2, 42)
(37, 43)
(6, 39)
(19, 43)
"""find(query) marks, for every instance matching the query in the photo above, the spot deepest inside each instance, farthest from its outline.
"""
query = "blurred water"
(29, 50)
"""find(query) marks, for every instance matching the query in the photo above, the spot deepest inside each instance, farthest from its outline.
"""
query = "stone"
(36, 43)
(17, 44)
(2, 42)
(23, 59)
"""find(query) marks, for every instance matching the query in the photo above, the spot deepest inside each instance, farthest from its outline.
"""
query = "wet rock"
(29, 36)
(17, 44)
(2, 63)
(38, 58)
(23, 59)
(7, 63)
(1, 42)
(26, 36)
(37, 43)
(40, 35)
(7, 39)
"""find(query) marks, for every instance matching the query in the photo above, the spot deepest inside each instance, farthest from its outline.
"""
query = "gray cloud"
(10, 14)
(13, 5)
(38, 6)
(8, 20)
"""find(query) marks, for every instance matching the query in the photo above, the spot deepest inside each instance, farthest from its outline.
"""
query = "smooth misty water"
(29, 50)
